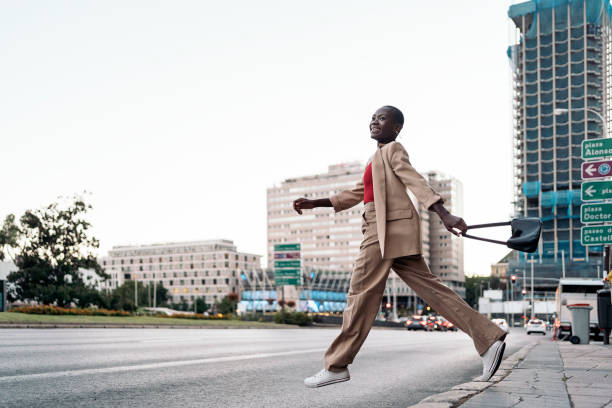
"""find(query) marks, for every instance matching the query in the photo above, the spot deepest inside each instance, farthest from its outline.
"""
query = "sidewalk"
(545, 374)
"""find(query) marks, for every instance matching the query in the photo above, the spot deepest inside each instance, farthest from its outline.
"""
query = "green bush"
(298, 318)
(250, 317)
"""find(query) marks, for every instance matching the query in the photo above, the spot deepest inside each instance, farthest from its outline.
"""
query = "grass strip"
(9, 317)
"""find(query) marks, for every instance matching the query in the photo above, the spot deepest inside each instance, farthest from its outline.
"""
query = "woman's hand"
(452, 222)
(303, 204)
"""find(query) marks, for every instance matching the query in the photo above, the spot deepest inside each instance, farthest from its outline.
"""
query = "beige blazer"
(397, 221)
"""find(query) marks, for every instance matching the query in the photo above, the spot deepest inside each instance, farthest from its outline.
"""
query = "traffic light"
(388, 305)
(513, 278)
(524, 292)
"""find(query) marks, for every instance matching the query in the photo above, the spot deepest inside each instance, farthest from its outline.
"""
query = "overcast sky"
(177, 115)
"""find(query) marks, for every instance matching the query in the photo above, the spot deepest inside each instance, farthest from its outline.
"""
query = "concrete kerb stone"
(132, 326)
(463, 392)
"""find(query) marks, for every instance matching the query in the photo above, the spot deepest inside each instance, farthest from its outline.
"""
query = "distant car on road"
(446, 324)
(536, 326)
(502, 324)
(434, 323)
(416, 322)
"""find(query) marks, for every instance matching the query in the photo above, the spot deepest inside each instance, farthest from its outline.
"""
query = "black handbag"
(525, 233)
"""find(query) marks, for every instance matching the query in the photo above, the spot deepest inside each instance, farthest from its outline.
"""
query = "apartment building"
(209, 269)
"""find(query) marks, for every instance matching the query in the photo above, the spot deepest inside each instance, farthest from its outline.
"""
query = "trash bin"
(604, 313)
(580, 322)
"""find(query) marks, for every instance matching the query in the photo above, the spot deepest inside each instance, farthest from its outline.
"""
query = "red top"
(368, 192)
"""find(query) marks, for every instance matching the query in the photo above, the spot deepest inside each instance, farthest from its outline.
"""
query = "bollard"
(580, 322)
(604, 313)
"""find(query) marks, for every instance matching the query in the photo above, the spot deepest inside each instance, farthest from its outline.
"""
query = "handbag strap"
(485, 239)
(491, 224)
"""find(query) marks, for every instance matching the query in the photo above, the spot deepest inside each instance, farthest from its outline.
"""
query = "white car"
(536, 326)
(502, 324)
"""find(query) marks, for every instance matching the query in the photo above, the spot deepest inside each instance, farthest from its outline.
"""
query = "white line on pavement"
(181, 363)
(107, 370)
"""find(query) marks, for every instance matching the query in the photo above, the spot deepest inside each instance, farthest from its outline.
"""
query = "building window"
(203, 281)
(218, 273)
(226, 281)
(182, 282)
(131, 261)
(206, 273)
(226, 256)
(171, 283)
(227, 264)
(185, 273)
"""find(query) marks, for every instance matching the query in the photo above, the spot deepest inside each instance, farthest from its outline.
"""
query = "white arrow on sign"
(590, 170)
(590, 191)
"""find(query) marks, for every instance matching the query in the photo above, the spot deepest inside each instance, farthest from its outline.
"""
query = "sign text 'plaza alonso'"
(596, 148)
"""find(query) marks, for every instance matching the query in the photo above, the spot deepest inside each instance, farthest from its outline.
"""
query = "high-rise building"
(560, 63)
(209, 269)
(330, 241)
(446, 249)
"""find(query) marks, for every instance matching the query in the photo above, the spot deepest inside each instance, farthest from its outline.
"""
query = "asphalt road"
(227, 368)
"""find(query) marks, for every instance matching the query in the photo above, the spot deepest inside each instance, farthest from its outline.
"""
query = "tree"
(228, 304)
(472, 288)
(50, 247)
(201, 305)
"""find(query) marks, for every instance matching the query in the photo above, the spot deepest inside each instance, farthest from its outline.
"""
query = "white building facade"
(446, 249)
(331, 241)
(209, 269)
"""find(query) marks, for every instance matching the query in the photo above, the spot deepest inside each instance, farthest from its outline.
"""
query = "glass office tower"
(560, 63)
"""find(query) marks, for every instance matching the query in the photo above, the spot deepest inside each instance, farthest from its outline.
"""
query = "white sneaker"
(325, 377)
(491, 360)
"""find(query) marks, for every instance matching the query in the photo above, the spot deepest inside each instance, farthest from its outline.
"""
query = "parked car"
(434, 323)
(447, 325)
(536, 326)
(416, 322)
(502, 324)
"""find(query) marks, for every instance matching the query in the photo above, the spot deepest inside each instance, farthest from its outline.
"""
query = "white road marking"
(181, 363)
(107, 370)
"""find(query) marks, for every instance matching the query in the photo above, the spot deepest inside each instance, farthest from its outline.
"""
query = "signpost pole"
(532, 298)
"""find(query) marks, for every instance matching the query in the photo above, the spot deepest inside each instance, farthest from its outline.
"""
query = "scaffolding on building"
(561, 74)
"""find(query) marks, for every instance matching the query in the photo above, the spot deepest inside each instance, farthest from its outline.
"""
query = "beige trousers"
(366, 291)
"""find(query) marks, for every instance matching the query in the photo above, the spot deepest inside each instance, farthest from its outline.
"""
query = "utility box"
(604, 309)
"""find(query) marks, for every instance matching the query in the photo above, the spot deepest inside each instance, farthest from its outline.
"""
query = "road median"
(22, 320)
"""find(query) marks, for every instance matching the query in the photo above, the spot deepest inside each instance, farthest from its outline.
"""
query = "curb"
(463, 392)
(126, 326)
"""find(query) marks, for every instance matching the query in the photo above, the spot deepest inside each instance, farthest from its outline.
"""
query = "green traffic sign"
(596, 235)
(287, 272)
(286, 247)
(288, 263)
(287, 281)
(596, 148)
(596, 190)
(595, 213)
